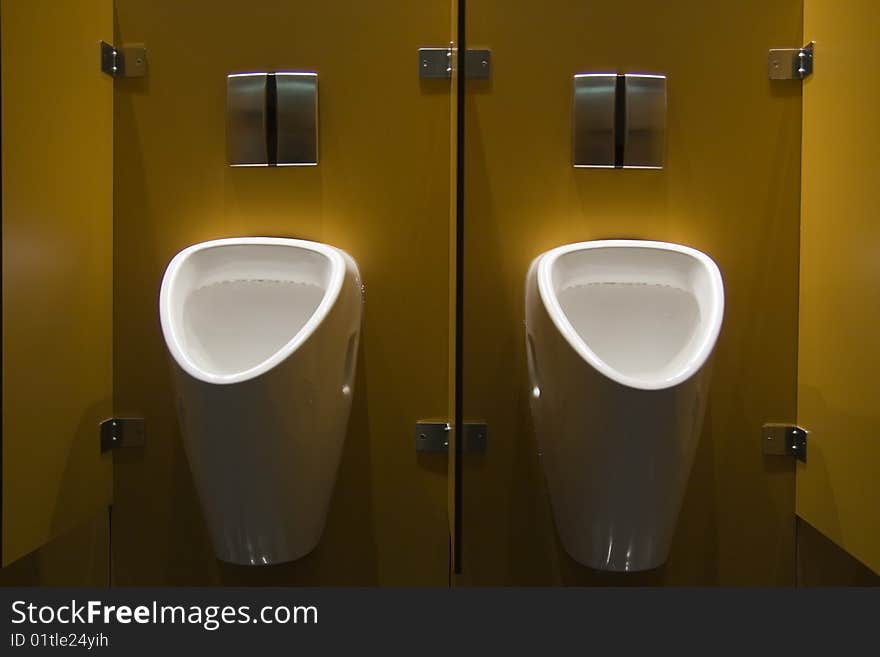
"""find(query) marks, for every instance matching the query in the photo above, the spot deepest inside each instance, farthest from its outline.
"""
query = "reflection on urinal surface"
(619, 335)
(263, 334)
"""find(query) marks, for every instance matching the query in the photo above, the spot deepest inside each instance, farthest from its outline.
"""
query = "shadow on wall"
(822, 563)
(82, 449)
(79, 557)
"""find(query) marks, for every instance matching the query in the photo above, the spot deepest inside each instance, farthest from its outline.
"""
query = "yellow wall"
(57, 267)
(380, 192)
(820, 562)
(78, 557)
(838, 490)
(730, 188)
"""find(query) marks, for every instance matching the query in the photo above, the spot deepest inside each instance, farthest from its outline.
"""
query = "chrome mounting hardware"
(791, 63)
(125, 62)
(433, 437)
(438, 63)
(785, 440)
(122, 432)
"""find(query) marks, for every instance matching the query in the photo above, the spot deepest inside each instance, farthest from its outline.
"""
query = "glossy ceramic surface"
(619, 335)
(263, 334)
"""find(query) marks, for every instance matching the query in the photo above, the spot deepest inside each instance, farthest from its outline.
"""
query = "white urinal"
(619, 334)
(263, 334)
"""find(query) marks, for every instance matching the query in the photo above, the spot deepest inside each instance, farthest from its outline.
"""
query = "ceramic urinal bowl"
(619, 336)
(263, 334)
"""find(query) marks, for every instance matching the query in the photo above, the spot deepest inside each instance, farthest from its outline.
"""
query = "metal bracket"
(785, 440)
(125, 62)
(437, 63)
(122, 432)
(792, 63)
(433, 437)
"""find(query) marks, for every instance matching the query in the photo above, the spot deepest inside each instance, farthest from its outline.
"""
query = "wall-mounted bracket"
(785, 440)
(125, 62)
(438, 63)
(791, 63)
(433, 437)
(122, 432)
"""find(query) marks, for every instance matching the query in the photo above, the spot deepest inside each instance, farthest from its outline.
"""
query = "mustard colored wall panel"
(380, 191)
(730, 188)
(838, 490)
(821, 562)
(57, 190)
(79, 557)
